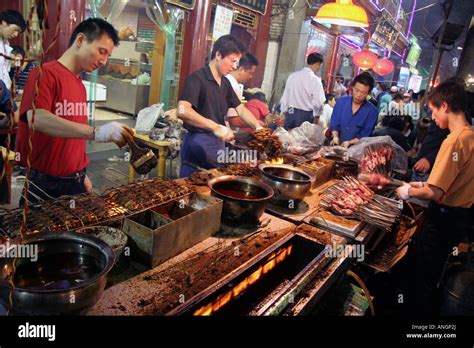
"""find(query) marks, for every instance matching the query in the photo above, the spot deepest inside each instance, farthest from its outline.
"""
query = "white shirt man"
(303, 97)
(5, 64)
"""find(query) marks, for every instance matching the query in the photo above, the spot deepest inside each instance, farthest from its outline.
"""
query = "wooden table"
(161, 146)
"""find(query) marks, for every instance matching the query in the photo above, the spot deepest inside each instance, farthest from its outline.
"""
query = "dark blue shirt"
(5, 97)
(350, 126)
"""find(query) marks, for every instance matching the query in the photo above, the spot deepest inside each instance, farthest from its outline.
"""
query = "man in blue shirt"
(353, 116)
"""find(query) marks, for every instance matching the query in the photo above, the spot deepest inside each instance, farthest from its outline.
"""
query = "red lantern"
(365, 59)
(383, 66)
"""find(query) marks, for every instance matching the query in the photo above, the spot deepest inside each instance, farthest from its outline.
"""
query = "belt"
(75, 176)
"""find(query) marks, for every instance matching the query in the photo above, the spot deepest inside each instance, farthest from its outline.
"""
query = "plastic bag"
(147, 118)
(398, 161)
(302, 139)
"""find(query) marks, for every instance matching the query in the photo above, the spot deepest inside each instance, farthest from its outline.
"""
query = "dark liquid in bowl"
(237, 194)
(59, 271)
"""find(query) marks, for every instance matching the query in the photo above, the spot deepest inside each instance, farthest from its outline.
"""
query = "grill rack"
(69, 213)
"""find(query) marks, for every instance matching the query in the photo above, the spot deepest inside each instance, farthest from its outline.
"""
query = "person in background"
(402, 90)
(450, 188)
(325, 118)
(409, 129)
(339, 89)
(11, 25)
(377, 90)
(354, 117)
(144, 58)
(22, 69)
(238, 78)
(303, 97)
(393, 127)
(395, 107)
(203, 104)
(5, 116)
(257, 105)
(386, 99)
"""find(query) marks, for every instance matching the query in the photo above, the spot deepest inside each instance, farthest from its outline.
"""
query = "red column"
(195, 40)
(18, 6)
(263, 34)
(71, 14)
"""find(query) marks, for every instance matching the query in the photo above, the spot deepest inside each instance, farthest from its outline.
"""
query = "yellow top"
(453, 170)
(11, 154)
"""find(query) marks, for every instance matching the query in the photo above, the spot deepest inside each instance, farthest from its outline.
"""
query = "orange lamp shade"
(344, 13)
(365, 59)
(383, 66)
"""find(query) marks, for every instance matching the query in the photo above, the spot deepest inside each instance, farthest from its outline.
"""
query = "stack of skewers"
(352, 199)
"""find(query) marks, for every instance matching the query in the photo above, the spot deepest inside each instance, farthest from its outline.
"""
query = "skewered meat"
(352, 198)
(377, 158)
(264, 142)
(375, 180)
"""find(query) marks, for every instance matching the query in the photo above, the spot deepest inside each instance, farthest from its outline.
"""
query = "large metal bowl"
(288, 182)
(244, 199)
(68, 277)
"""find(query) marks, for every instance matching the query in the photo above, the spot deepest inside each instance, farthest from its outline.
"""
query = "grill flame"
(272, 260)
(277, 160)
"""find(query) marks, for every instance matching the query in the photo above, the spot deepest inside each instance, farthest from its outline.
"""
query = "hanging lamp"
(383, 66)
(344, 13)
(365, 59)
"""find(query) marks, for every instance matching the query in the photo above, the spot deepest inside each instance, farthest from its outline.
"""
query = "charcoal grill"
(265, 285)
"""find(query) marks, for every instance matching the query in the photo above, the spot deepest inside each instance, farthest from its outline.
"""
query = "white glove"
(402, 191)
(258, 128)
(334, 141)
(223, 133)
(110, 132)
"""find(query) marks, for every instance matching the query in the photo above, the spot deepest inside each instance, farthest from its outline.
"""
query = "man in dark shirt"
(203, 105)
(393, 126)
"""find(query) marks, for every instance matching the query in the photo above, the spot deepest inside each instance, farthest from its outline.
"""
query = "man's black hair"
(258, 95)
(397, 96)
(93, 29)
(18, 50)
(226, 45)
(314, 58)
(329, 96)
(13, 17)
(451, 93)
(365, 79)
(247, 61)
(394, 122)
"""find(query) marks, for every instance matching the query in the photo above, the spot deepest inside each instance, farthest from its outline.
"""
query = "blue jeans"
(295, 117)
(200, 149)
(53, 186)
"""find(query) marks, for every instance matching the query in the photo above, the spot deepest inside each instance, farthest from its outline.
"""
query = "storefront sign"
(415, 83)
(222, 22)
(403, 78)
(186, 4)
(413, 55)
(259, 6)
(386, 33)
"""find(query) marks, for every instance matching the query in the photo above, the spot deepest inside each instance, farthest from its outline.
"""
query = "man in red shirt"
(58, 159)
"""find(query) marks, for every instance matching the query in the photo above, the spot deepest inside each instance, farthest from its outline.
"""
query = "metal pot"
(68, 277)
(288, 182)
(244, 199)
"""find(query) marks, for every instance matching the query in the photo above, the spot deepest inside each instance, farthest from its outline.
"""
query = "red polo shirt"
(63, 94)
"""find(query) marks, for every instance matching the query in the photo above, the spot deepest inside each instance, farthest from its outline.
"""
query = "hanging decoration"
(167, 20)
(343, 13)
(365, 59)
(383, 66)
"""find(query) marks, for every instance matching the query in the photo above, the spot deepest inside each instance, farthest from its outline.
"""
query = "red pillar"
(71, 14)
(263, 34)
(195, 40)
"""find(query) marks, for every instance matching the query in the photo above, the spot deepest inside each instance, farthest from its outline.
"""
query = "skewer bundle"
(352, 199)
